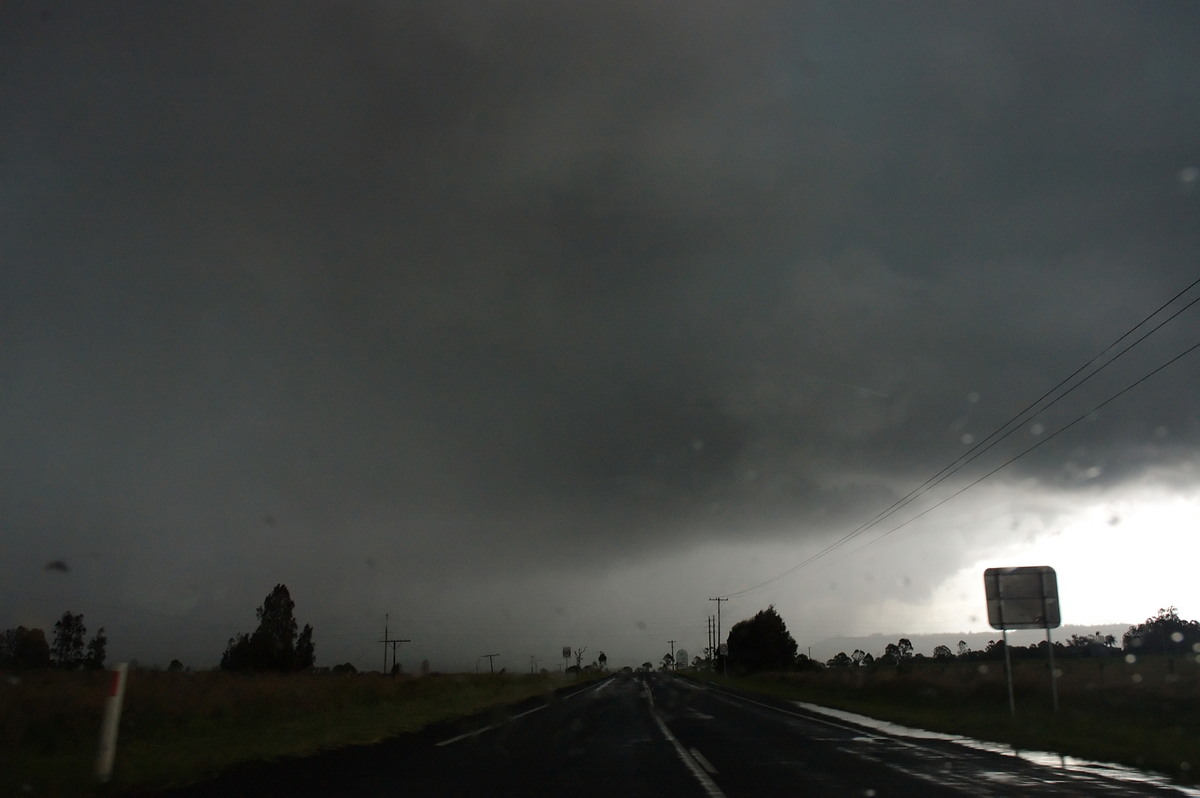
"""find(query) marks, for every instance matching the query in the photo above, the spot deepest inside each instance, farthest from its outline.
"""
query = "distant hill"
(874, 645)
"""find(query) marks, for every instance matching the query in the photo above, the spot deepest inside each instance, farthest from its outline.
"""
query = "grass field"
(179, 727)
(1144, 714)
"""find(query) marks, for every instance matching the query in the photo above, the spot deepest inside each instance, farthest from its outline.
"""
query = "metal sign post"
(1023, 598)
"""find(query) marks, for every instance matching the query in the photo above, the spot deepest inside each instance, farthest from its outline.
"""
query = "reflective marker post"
(112, 718)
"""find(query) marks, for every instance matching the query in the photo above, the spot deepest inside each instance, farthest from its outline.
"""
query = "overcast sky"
(540, 324)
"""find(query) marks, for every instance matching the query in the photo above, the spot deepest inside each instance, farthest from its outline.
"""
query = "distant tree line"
(763, 643)
(27, 649)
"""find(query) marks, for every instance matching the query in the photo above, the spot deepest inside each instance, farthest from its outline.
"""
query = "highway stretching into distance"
(660, 735)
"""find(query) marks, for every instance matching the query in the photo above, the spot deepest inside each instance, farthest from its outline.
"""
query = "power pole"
(712, 650)
(719, 599)
(491, 658)
(672, 642)
(391, 640)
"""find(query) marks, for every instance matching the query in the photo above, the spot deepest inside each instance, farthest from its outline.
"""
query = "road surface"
(658, 735)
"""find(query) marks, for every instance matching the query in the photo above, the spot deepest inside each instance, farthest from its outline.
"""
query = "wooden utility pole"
(491, 658)
(719, 599)
(391, 640)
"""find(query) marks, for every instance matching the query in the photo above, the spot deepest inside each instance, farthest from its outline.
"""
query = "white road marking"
(710, 786)
(489, 727)
(475, 733)
(704, 763)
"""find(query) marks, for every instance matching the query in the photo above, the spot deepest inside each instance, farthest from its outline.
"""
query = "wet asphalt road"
(657, 735)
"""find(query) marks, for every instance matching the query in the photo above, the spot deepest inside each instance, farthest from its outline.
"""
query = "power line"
(1003, 431)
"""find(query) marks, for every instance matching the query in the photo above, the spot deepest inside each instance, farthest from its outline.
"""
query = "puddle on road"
(1043, 758)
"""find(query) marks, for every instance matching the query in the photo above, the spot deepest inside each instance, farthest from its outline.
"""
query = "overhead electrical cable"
(1003, 431)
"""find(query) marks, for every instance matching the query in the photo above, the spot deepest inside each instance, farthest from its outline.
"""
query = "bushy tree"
(69, 632)
(274, 645)
(762, 643)
(942, 653)
(1163, 633)
(23, 648)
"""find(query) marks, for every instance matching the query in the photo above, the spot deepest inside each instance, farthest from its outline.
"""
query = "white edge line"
(703, 760)
(477, 732)
(710, 786)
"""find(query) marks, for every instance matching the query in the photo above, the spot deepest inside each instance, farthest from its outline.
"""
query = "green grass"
(1144, 714)
(178, 727)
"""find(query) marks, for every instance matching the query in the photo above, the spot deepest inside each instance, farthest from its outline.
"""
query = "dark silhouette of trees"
(274, 645)
(22, 649)
(602, 661)
(96, 650)
(175, 667)
(1163, 633)
(762, 643)
(840, 660)
(942, 653)
(69, 631)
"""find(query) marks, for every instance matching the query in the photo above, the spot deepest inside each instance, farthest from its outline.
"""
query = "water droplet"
(1176, 637)
(973, 397)
(983, 669)
(1196, 647)
(1037, 429)
(968, 439)
(1137, 678)
(1093, 472)
(1131, 658)
(1185, 766)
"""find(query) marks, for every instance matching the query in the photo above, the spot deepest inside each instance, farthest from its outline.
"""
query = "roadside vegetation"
(178, 727)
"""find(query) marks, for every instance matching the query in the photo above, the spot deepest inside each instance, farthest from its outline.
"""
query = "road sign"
(1022, 598)
(566, 652)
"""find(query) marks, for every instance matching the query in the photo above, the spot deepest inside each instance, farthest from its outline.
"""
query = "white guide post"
(112, 718)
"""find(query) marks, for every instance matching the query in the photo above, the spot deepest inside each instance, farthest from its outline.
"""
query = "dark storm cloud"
(445, 283)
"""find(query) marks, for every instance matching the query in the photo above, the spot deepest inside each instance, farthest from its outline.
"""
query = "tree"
(69, 632)
(668, 662)
(175, 667)
(306, 655)
(274, 645)
(963, 648)
(96, 650)
(23, 648)
(840, 660)
(579, 658)
(762, 643)
(942, 653)
(1163, 633)
(602, 660)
